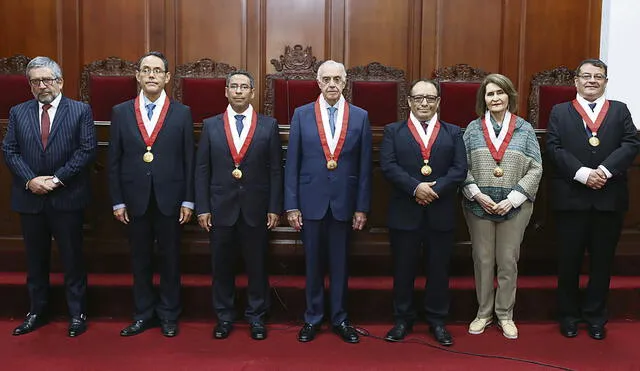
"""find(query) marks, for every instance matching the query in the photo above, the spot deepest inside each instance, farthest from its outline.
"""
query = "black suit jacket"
(171, 171)
(569, 150)
(401, 161)
(257, 193)
(71, 149)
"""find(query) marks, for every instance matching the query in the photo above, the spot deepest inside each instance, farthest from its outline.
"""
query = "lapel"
(256, 136)
(132, 124)
(219, 135)
(408, 137)
(34, 122)
(60, 119)
(167, 122)
(578, 123)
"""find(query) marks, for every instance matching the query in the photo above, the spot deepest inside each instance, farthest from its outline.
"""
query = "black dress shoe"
(31, 323)
(222, 329)
(169, 328)
(258, 331)
(347, 333)
(77, 325)
(569, 329)
(307, 332)
(138, 327)
(597, 332)
(441, 335)
(398, 332)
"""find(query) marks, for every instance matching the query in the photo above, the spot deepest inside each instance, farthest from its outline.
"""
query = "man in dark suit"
(151, 164)
(425, 161)
(328, 186)
(49, 147)
(591, 143)
(238, 199)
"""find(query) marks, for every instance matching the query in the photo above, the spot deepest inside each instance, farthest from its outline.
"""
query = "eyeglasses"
(155, 71)
(242, 87)
(588, 76)
(36, 82)
(417, 99)
(327, 79)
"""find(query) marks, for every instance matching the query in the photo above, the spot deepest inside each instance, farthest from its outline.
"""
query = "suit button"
(594, 152)
(240, 187)
(148, 173)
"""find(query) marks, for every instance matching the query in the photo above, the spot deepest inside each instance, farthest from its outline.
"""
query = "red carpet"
(101, 348)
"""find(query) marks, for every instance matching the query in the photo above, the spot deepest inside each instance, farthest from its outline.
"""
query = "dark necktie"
(45, 125)
(332, 119)
(150, 108)
(239, 124)
(424, 126)
(592, 106)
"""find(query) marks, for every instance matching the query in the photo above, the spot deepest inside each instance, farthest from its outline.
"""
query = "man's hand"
(597, 179)
(185, 214)
(359, 220)
(425, 194)
(294, 217)
(486, 202)
(41, 185)
(272, 220)
(50, 183)
(205, 221)
(121, 215)
(502, 207)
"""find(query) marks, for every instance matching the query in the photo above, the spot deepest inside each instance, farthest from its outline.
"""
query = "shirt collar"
(147, 100)
(325, 104)
(585, 103)
(429, 123)
(55, 103)
(247, 113)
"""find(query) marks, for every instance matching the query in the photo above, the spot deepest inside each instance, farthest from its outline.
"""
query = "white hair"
(330, 63)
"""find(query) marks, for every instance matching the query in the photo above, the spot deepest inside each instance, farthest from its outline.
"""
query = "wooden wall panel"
(213, 29)
(29, 27)
(371, 37)
(114, 28)
(469, 32)
(291, 22)
(555, 33)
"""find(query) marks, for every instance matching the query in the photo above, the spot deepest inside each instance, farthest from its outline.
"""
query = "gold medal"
(426, 169)
(236, 173)
(594, 141)
(332, 164)
(498, 172)
(148, 156)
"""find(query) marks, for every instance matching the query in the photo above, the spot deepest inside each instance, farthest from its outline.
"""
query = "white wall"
(620, 50)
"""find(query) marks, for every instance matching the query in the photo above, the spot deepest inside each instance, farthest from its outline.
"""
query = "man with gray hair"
(328, 186)
(49, 147)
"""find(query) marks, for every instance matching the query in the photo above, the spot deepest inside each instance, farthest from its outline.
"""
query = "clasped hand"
(43, 184)
(491, 207)
(425, 194)
(597, 179)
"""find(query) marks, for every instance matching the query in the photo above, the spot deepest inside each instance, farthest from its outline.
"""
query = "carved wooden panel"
(14, 65)
(378, 72)
(562, 76)
(112, 66)
(297, 63)
(459, 72)
(201, 69)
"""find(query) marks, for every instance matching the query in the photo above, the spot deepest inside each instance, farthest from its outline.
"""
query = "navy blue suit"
(153, 193)
(69, 153)
(239, 210)
(413, 226)
(327, 199)
(588, 218)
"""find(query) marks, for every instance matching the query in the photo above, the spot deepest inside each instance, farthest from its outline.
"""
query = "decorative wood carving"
(14, 65)
(560, 76)
(375, 71)
(201, 69)
(459, 72)
(297, 63)
(112, 66)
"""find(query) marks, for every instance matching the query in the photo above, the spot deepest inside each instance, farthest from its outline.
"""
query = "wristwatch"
(55, 180)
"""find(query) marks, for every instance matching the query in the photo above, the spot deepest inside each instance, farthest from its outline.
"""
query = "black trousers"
(436, 247)
(144, 232)
(226, 244)
(66, 228)
(598, 232)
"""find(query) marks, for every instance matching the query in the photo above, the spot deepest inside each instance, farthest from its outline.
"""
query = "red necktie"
(45, 125)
